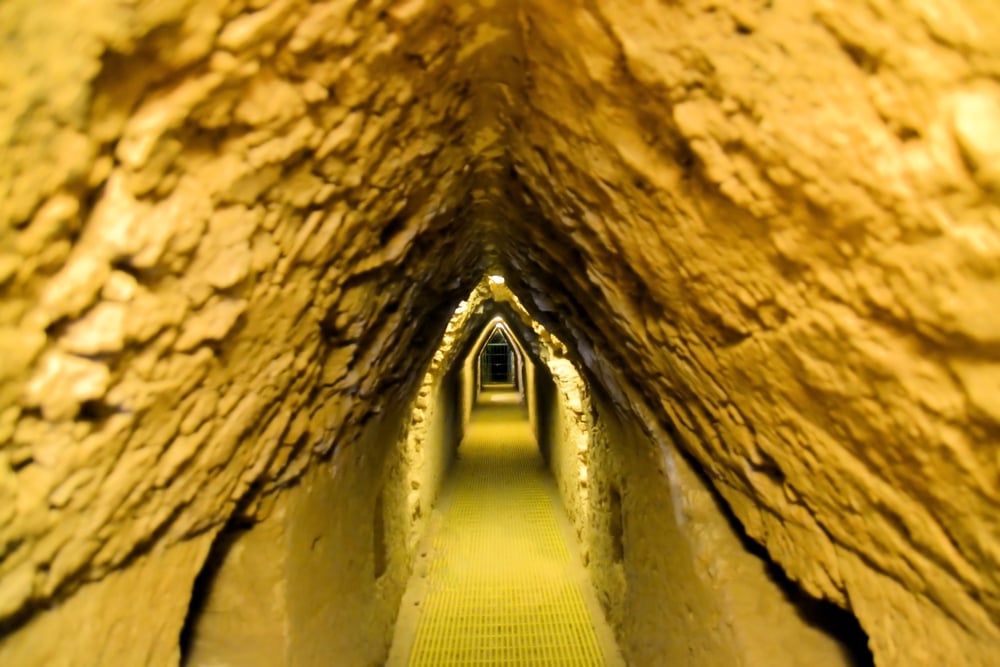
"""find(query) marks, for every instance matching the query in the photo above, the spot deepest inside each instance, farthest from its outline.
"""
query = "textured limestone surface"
(677, 577)
(233, 231)
(217, 262)
(673, 575)
(788, 252)
(314, 574)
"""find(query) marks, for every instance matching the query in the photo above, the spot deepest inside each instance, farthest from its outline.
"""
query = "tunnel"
(276, 275)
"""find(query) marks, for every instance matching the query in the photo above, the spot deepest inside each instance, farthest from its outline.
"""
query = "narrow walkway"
(499, 585)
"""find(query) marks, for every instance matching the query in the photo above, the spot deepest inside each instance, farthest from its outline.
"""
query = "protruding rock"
(211, 323)
(63, 382)
(100, 331)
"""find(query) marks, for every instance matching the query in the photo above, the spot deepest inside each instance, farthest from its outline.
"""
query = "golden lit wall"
(233, 231)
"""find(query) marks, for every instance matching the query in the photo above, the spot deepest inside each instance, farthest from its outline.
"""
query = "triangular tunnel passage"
(242, 259)
(595, 478)
(496, 360)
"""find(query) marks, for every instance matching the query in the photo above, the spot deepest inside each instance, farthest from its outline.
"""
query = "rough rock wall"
(216, 260)
(318, 579)
(675, 578)
(228, 228)
(677, 581)
(785, 220)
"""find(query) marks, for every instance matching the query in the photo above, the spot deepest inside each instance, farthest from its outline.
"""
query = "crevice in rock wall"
(203, 583)
(834, 621)
(616, 525)
(237, 611)
(379, 551)
(827, 617)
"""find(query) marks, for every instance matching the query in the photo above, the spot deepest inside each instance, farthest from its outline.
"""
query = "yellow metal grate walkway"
(500, 584)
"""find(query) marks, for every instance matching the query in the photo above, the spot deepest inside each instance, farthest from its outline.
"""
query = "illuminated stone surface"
(232, 233)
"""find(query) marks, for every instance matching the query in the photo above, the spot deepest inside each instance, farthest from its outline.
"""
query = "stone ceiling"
(232, 230)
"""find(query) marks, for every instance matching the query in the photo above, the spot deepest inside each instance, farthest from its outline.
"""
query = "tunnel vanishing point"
(751, 251)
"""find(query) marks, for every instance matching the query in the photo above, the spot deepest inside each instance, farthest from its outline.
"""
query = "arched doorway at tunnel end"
(499, 364)
(496, 361)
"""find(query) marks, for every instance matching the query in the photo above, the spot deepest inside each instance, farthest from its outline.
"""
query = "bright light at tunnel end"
(497, 280)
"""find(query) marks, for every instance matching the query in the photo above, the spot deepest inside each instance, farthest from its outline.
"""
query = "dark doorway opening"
(497, 360)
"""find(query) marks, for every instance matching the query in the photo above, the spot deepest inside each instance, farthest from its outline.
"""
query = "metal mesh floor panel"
(500, 589)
